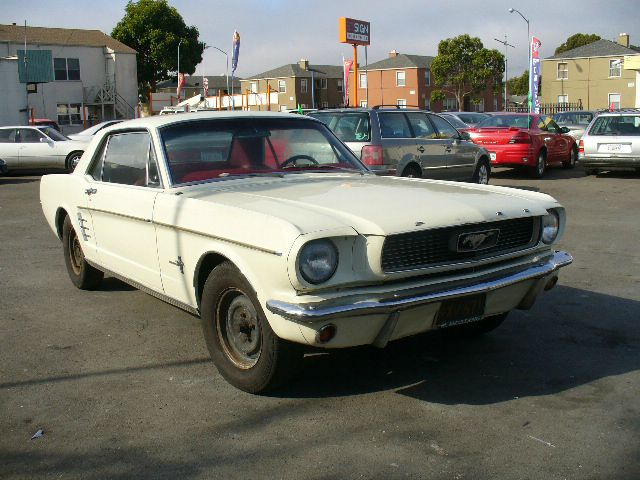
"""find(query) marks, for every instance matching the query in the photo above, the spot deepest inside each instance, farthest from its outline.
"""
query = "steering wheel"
(292, 161)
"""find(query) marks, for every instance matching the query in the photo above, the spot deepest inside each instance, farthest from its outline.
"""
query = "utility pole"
(504, 106)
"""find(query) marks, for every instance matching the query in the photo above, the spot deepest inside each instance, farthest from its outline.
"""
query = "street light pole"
(506, 77)
(178, 84)
(227, 70)
(512, 10)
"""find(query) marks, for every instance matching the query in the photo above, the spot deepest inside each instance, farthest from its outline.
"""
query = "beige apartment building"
(299, 85)
(598, 75)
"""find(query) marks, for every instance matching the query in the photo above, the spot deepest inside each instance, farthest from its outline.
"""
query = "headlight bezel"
(550, 227)
(304, 266)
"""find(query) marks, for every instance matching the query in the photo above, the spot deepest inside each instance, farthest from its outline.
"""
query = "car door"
(430, 149)
(460, 155)
(121, 191)
(36, 150)
(562, 143)
(9, 149)
(399, 148)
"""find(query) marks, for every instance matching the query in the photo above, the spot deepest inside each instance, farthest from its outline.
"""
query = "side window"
(553, 126)
(421, 125)
(394, 125)
(30, 135)
(7, 135)
(126, 157)
(445, 130)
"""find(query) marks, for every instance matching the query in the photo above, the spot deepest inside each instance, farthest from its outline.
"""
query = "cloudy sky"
(277, 32)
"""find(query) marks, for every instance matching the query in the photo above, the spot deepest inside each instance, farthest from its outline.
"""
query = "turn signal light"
(520, 137)
(581, 146)
(326, 333)
(371, 155)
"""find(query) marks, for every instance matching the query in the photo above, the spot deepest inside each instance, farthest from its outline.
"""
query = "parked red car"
(530, 140)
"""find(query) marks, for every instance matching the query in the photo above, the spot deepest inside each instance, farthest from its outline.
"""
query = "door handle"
(421, 149)
(90, 191)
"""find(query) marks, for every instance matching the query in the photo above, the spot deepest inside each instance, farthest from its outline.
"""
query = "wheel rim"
(540, 164)
(73, 162)
(483, 174)
(572, 160)
(411, 173)
(239, 329)
(75, 252)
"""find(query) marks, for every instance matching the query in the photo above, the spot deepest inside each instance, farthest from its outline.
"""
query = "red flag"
(205, 83)
(347, 69)
(180, 84)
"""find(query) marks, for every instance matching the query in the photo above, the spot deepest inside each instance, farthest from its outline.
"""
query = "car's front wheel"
(83, 275)
(482, 173)
(243, 347)
(573, 157)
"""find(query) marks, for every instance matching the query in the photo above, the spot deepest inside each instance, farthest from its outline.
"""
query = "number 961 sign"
(355, 32)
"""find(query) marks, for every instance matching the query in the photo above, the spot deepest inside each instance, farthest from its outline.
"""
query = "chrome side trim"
(354, 306)
(116, 214)
(153, 293)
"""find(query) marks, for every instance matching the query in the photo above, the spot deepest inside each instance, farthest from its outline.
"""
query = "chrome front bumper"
(355, 305)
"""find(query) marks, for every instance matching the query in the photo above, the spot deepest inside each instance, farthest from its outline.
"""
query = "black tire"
(255, 359)
(476, 329)
(72, 160)
(412, 172)
(82, 275)
(482, 173)
(573, 158)
(590, 171)
(537, 171)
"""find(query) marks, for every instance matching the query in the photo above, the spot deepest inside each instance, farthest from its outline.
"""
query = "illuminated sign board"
(355, 32)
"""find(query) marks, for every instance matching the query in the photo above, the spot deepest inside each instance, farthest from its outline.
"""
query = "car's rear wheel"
(72, 161)
(537, 171)
(412, 172)
(482, 173)
(573, 158)
(243, 347)
(82, 275)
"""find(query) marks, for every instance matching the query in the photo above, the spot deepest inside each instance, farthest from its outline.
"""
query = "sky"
(278, 32)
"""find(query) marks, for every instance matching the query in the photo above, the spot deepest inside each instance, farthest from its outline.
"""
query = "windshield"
(471, 118)
(53, 134)
(221, 149)
(519, 121)
(453, 120)
(627, 125)
(348, 127)
(96, 128)
(573, 118)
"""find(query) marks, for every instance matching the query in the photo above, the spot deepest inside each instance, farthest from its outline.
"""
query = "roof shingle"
(402, 61)
(599, 48)
(295, 70)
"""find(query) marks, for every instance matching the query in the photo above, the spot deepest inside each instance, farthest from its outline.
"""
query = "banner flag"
(235, 53)
(534, 76)
(205, 84)
(181, 81)
(347, 69)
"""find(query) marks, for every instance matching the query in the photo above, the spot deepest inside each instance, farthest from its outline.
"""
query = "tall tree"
(155, 30)
(577, 40)
(519, 85)
(464, 68)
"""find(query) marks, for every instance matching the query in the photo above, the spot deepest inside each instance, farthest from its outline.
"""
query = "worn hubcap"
(483, 175)
(239, 329)
(75, 250)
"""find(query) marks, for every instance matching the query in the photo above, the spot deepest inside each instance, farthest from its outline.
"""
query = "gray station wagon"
(408, 143)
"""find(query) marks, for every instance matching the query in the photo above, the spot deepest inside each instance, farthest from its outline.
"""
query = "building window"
(400, 79)
(427, 77)
(479, 107)
(325, 104)
(303, 85)
(323, 83)
(495, 104)
(66, 68)
(614, 100)
(282, 86)
(563, 71)
(340, 86)
(363, 103)
(363, 80)
(283, 108)
(615, 68)
(253, 87)
(450, 104)
(427, 104)
(563, 98)
(401, 103)
(69, 114)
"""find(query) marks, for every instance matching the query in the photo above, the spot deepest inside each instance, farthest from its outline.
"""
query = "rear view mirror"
(564, 129)
(45, 140)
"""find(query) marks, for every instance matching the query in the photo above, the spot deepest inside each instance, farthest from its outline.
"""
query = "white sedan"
(272, 231)
(38, 147)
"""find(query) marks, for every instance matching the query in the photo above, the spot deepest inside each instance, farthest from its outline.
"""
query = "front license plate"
(460, 311)
(492, 155)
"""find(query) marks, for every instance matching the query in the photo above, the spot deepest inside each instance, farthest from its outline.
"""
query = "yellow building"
(597, 75)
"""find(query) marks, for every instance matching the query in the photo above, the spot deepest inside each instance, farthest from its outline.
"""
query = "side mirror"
(564, 130)
(46, 140)
(465, 136)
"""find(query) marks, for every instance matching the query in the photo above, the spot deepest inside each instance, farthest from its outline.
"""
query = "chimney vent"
(623, 39)
(304, 64)
(393, 53)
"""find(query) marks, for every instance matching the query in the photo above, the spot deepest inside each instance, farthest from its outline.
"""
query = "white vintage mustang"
(272, 231)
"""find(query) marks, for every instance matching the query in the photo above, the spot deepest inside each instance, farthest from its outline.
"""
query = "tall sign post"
(355, 32)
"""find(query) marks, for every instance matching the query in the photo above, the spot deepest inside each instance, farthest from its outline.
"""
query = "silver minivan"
(611, 142)
(409, 143)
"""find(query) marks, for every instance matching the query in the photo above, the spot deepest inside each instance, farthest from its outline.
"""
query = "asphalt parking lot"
(121, 383)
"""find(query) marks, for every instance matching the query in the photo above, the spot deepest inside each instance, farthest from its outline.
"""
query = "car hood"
(369, 204)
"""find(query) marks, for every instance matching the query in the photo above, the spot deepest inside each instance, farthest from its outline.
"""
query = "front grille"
(438, 246)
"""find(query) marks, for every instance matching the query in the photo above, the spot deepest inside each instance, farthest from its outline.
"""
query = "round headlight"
(550, 227)
(318, 261)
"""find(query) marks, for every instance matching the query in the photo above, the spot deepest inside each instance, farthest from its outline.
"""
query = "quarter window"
(400, 79)
(7, 135)
(563, 71)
